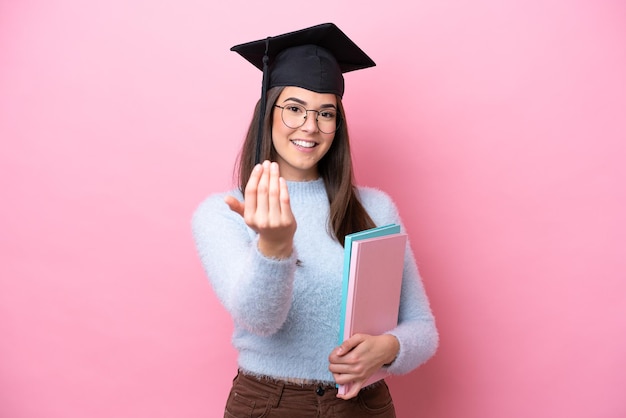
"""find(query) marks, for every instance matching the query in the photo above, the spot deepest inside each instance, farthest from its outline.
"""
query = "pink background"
(499, 128)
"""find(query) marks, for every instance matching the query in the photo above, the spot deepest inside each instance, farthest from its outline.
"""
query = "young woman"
(273, 248)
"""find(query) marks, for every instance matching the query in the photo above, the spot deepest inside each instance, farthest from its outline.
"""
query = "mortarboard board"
(313, 58)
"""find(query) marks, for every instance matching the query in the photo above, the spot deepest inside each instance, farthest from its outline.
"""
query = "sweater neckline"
(304, 190)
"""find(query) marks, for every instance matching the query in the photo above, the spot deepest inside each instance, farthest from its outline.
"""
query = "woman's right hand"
(266, 209)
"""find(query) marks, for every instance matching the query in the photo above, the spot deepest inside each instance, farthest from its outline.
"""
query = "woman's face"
(300, 149)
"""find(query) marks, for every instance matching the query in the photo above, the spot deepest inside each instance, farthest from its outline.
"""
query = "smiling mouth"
(304, 144)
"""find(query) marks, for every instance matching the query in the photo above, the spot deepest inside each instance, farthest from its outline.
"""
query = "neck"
(297, 175)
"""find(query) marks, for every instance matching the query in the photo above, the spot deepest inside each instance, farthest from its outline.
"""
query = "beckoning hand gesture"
(266, 209)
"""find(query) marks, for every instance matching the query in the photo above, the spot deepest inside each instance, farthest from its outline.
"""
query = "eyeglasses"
(294, 116)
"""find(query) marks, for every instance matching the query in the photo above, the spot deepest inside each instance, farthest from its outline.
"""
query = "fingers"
(250, 193)
(355, 387)
(262, 193)
(348, 345)
(262, 198)
(274, 191)
(358, 358)
(345, 360)
(267, 210)
(267, 197)
(235, 205)
(285, 204)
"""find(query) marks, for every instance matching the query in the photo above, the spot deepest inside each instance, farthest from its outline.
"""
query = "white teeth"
(304, 144)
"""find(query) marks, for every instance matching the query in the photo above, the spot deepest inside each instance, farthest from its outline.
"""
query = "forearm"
(260, 298)
(279, 250)
(418, 342)
(416, 330)
(391, 348)
(255, 289)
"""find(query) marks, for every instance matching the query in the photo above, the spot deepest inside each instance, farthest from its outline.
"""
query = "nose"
(310, 121)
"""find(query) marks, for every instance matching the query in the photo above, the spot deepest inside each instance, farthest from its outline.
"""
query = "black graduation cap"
(313, 58)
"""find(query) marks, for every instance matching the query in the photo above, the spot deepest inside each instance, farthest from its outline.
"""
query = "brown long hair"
(347, 214)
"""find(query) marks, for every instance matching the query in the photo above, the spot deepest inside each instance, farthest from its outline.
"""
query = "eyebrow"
(303, 103)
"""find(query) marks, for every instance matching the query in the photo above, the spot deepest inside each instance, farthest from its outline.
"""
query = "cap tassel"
(259, 139)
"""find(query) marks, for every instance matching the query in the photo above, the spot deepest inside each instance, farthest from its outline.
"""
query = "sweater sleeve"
(256, 290)
(416, 330)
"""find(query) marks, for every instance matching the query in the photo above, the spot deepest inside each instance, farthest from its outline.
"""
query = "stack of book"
(372, 280)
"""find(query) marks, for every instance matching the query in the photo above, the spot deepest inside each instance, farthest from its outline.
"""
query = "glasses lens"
(327, 121)
(293, 115)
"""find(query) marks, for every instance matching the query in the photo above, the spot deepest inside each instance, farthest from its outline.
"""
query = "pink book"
(375, 281)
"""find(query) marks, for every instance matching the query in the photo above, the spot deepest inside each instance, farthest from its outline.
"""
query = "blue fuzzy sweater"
(286, 316)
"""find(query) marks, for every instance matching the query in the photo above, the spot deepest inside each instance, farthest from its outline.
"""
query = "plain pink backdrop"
(498, 127)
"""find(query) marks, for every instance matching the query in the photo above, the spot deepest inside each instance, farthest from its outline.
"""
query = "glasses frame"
(337, 119)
